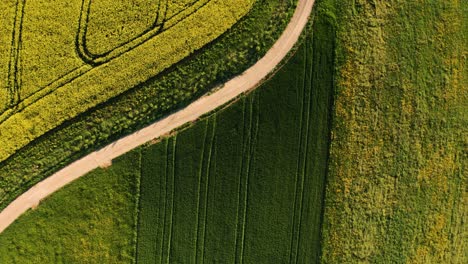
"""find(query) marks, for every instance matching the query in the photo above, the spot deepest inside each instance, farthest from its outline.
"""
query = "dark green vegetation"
(245, 184)
(89, 221)
(230, 54)
(397, 177)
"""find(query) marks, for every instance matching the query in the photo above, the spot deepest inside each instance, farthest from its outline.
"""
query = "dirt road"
(248, 80)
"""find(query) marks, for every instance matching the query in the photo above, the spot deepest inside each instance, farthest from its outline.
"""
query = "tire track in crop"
(166, 173)
(254, 112)
(162, 11)
(191, 5)
(155, 29)
(80, 43)
(239, 188)
(14, 71)
(301, 161)
(305, 164)
(162, 197)
(243, 178)
(151, 202)
(200, 173)
(171, 159)
(211, 179)
(301, 127)
(75, 73)
(208, 151)
(136, 213)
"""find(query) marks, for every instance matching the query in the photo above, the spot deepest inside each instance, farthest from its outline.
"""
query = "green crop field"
(231, 53)
(237, 186)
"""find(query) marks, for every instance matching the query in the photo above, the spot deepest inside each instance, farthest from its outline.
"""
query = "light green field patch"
(7, 14)
(113, 23)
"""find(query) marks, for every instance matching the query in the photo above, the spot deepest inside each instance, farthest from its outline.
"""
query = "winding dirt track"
(231, 89)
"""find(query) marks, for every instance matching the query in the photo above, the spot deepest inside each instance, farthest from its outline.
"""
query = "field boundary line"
(241, 173)
(306, 147)
(207, 173)
(156, 28)
(163, 226)
(200, 176)
(299, 149)
(239, 85)
(251, 160)
(171, 229)
(14, 76)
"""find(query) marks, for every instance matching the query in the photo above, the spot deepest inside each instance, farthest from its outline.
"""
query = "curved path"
(231, 89)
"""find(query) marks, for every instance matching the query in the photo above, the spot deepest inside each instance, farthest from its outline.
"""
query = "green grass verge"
(88, 221)
(397, 181)
(232, 53)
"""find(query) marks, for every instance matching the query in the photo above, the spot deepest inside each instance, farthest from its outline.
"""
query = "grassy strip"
(397, 186)
(230, 55)
(89, 221)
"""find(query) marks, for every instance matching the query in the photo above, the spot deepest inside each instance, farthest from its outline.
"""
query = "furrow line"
(251, 161)
(171, 229)
(165, 202)
(292, 252)
(200, 173)
(306, 148)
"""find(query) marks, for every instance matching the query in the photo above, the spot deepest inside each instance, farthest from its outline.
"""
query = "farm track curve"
(230, 90)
